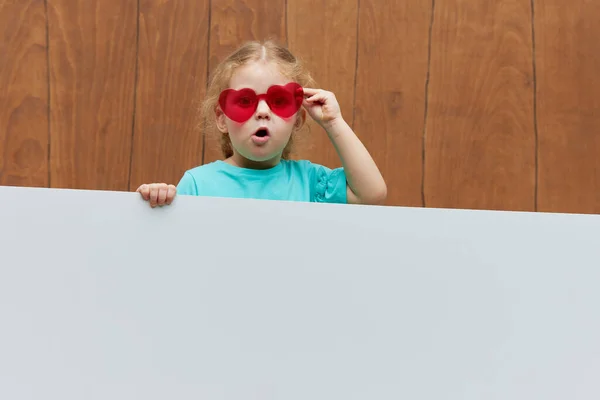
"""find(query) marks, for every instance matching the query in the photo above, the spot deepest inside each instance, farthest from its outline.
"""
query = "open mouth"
(262, 133)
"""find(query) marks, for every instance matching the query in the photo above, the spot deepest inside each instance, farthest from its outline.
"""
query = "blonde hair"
(290, 66)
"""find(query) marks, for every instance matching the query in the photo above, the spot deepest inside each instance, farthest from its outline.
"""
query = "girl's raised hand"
(322, 106)
(158, 194)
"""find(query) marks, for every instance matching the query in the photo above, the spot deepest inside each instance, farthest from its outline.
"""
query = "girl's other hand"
(158, 194)
(322, 106)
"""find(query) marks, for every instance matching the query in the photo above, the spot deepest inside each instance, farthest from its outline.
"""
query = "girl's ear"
(220, 120)
(300, 119)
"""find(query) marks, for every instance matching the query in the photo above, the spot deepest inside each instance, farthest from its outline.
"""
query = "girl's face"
(259, 141)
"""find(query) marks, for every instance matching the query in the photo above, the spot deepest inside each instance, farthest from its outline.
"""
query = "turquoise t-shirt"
(289, 180)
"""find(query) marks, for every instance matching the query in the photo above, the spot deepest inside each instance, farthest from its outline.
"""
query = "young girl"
(257, 100)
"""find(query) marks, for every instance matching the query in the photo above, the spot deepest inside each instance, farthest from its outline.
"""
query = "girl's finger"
(171, 194)
(162, 196)
(317, 97)
(310, 91)
(153, 196)
(144, 191)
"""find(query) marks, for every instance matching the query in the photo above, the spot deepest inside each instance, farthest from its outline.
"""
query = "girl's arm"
(365, 183)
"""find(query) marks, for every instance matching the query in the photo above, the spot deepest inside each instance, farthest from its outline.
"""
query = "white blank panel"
(102, 297)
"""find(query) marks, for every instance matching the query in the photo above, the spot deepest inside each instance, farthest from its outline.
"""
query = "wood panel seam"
(426, 112)
(535, 118)
(285, 17)
(356, 61)
(48, 92)
(202, 122)
(135, 87)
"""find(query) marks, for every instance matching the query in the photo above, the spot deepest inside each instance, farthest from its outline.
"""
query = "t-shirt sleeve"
(329, 185)
(187, 185)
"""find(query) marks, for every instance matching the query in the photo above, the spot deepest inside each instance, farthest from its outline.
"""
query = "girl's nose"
(263, 110)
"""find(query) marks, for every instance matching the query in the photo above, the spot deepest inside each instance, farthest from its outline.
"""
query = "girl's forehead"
(258, 76)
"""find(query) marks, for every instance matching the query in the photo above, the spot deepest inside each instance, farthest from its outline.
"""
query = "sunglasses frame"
(293, 89)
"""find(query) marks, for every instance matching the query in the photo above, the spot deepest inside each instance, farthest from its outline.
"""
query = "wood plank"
(234, 22)
(568, 62)
(324, 35)
(480, 139)
(390, 91)
(24, 97)
(171, 83)
(92, 64)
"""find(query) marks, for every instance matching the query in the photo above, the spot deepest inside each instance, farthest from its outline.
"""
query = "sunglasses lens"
(285, 100)
(238, 105)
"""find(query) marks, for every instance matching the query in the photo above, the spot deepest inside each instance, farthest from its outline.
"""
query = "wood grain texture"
(92, 75)
(568, 98)
(324, 35)
(390, 91)
(171, 83)
(234, 22)
(23, 94)
(480, 138)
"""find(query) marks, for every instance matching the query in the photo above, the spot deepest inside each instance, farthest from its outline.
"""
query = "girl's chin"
(259, 157)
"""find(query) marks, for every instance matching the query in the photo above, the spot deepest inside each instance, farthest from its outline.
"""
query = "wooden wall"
(489, 104)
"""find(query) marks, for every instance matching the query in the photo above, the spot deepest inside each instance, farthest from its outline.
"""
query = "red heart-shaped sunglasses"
(240, 105)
